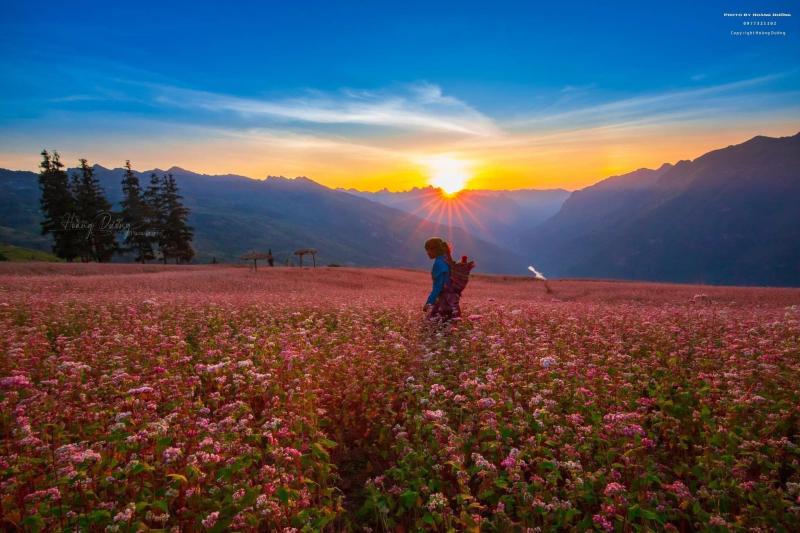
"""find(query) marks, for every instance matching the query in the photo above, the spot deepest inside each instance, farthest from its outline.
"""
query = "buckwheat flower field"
(216, 398)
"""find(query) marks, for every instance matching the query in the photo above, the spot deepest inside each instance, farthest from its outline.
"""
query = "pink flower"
(575, 419)
(511, 461)
(603, 522)
(613, 489)
(51, 493)
(437, 389)
(171, 454)
(210, 520)
(717, 520)
(679, 489)
(15, 382)
(486, 403)
(292, 452)
(434, 415)
(125, 515)
(140, 390)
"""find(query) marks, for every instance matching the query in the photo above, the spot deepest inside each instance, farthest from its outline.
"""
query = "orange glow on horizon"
(570, 161)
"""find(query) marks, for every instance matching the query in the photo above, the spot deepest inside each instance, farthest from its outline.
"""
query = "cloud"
(293, 141)
(417, 107)
(637, 107)
(355, 132)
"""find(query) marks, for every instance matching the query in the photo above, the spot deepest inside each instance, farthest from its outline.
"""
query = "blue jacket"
(441, 275)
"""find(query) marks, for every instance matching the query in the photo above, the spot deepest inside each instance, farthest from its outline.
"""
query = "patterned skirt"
(447, 306)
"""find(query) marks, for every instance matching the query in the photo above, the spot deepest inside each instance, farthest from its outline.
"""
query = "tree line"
(152, 221)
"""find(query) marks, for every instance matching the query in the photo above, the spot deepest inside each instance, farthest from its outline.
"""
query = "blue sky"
(358, 93)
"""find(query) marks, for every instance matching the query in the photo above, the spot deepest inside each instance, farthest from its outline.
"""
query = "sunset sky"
(387, 94)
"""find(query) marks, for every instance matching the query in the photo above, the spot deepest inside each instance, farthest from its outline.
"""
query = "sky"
(371, 95)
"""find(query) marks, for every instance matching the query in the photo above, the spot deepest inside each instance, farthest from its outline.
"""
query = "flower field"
(215, 398)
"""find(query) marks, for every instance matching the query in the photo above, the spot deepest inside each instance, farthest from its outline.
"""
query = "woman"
(443, 302)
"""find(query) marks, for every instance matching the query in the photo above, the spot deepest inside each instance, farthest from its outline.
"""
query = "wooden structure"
(254, 256)
(303, 251)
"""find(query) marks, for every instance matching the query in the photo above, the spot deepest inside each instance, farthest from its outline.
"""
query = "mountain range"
(233, 214)
(504, 217)
(730, 216)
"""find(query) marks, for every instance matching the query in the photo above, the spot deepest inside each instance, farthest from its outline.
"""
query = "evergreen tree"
(156, 215)
(99, 242)
(135, 214)
(177, 233)
(58, 207)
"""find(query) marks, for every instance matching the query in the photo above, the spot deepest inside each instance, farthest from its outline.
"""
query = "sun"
(447, 173)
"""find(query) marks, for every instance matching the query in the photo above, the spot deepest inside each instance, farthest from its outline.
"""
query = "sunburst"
(447, 173)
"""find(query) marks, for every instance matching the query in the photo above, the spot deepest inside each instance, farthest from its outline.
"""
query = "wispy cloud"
(418, 107)
(625, 109)
(352, 134)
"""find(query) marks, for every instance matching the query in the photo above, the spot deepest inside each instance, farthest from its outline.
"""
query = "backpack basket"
(459, 273)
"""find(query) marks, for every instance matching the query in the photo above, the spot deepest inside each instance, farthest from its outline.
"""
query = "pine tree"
(177, 233)
(135, 214)
(92, 207)
(156, 214)
(58, 206)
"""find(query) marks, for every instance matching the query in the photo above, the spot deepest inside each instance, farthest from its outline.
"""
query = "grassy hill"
(9, 252)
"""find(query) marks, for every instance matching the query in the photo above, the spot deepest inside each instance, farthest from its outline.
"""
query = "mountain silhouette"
(232, 214)
(731, 216)
(503, 217)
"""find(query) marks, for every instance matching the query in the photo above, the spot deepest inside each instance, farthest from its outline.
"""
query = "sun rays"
(447, 173)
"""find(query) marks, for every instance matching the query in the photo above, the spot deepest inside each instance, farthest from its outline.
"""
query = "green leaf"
(192, 472)
(548, 465)
(409, 499)
(99, 517)
(225, 473)
(651, 515)
(249, 498)
(634, 511)
(319, 452)
(140, 467)
(301, 518)
(33, 522)
(283, 495)
(323, 521)
(162, 505)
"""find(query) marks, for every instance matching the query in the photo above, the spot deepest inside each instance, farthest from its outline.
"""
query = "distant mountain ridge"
(731, 216)
(500, 216)
(232, 214)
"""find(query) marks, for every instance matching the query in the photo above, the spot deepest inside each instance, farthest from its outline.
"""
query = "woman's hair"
(438, 245)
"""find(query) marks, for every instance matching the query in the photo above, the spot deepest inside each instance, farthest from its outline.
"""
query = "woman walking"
(443, 301)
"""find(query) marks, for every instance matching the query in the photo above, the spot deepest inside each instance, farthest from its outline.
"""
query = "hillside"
(731, 216)
(18, 254)
(232, 214)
